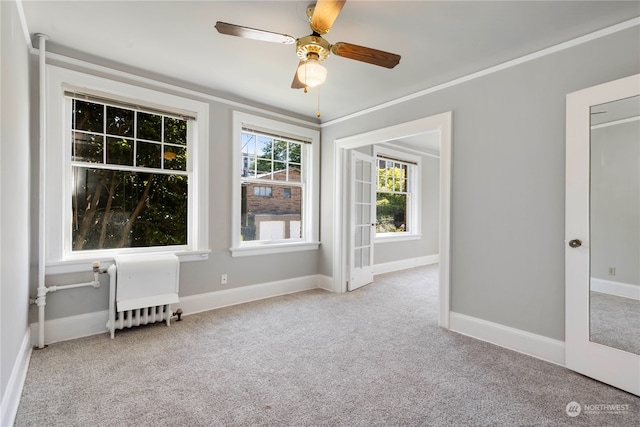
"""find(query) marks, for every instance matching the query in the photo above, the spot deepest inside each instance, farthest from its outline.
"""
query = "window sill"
(82, 265)
(273, 248)
(397, 238)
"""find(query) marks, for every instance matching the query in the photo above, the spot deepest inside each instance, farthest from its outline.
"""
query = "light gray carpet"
(615, 321)
(373, 357)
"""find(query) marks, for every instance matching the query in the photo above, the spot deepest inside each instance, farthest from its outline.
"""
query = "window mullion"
(135, 138)
(104, 134)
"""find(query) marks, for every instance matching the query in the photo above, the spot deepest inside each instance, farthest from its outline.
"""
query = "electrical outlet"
(612, 271)
(223, 279)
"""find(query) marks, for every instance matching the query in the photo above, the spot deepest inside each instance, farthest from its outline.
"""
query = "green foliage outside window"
(117, 202)
(391, 197)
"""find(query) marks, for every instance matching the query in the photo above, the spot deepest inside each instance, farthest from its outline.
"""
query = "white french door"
(362, 220)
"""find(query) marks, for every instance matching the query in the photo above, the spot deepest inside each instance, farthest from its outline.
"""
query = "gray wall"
(615, 202)
(507, 246)
(14, 182)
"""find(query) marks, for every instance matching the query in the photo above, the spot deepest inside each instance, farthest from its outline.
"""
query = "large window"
(130, 177)
(397, 195)
(276, 186)
(122, 175)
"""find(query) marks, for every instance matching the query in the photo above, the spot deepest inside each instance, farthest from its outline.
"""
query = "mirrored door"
(614, 297)
(602, 256)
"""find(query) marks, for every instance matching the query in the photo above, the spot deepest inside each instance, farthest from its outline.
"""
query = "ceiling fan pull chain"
(318, 112)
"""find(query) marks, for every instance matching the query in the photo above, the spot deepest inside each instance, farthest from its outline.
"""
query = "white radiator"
(142, 289)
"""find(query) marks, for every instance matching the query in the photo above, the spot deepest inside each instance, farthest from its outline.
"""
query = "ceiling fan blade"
(252, 33)
(366, 54)
(324, 14)
(296, 83)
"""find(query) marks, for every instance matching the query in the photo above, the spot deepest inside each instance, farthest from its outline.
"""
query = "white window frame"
(58, 170)
(414, 183)
(310, 180)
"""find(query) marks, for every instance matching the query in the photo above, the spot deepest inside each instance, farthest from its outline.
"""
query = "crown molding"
(512, 63)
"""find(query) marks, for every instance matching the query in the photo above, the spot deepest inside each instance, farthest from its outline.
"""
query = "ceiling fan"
(313, 49)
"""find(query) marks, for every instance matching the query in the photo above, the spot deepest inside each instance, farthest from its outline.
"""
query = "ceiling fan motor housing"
(314, 45)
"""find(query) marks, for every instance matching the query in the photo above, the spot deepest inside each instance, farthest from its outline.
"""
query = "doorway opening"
(422, 129)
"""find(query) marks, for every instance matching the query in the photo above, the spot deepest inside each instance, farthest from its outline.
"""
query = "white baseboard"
(227, 297)
(11, 396)
(71, 327)
(325, 282)
(403, 264)
(83, 325)
(618, 289)
(538, 346)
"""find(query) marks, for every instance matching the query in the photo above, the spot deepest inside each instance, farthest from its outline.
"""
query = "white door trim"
(440, 123)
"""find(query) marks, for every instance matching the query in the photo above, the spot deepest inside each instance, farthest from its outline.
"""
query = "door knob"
(575, 243)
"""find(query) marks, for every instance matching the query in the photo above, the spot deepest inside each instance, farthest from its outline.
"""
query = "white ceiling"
(176, 41)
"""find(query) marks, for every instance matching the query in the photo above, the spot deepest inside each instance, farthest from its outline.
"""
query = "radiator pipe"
(41, 300)
(95, 283)
(42, 290)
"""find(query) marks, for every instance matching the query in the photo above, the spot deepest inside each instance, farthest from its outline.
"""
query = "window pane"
(175, 158)
(148, 154)
(366, 236)
(87, 148)
(366, 171)
(358, 237)
(264, 168)
(175, 131)
(270, 218)
(366, 214)
(262, 191)
(120, 121)
(381, 178)
(248, 144)
(115, 209)
(366, 193)
(88, 116)
(391, 213)
(263, 148)
(295, 153)
(365, 257)
(357, 258)
(359, 192)
(279, 171)
(358, 173)
(248, 167)
(120, 151)
(149, 126)
(280, 150)
(294, 172)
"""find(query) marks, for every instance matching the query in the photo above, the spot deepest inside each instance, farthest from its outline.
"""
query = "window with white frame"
(397, 193)
(129, 176)
(123, 176)
(275, 186)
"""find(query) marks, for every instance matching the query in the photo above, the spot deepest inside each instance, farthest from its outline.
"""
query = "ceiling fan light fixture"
(311, 73)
